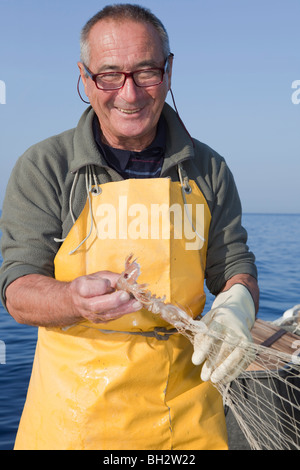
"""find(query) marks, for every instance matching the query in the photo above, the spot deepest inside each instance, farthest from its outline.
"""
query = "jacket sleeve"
(228, 253)
(30, 221)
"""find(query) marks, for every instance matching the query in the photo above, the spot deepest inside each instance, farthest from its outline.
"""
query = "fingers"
(228, 369)
(109, 275)
(96, 284)
(202, 347)
(112, 306)
(95, 298)
(234, 364)
(223, 360)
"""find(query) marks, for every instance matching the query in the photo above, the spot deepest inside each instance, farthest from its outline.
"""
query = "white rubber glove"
(232, 316)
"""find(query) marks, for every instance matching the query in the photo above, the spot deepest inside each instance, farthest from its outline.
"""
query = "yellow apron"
(127, 384)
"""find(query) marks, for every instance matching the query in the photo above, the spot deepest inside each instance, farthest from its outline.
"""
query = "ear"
(83, 75)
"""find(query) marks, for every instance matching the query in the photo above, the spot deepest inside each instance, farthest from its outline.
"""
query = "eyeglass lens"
(142, 78)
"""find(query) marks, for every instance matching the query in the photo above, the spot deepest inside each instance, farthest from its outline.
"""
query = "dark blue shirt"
(129, 164)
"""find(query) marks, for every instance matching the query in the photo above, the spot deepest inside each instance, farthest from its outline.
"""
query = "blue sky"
(235, 62)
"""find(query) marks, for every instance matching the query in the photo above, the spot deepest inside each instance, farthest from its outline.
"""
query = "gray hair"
(123, 12)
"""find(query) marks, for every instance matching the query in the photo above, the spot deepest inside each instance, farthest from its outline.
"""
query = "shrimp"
(172, 314)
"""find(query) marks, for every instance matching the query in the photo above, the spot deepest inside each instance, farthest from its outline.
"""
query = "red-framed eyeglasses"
(143, 78)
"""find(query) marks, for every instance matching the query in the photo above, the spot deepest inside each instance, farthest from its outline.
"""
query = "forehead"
(124, 43)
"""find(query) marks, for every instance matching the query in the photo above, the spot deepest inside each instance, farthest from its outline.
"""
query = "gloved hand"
(231, 317)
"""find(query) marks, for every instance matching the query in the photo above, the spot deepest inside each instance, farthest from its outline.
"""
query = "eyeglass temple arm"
(78, 91)
(179, 118)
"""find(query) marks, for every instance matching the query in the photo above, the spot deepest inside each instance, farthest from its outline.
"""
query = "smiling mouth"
(129, 111)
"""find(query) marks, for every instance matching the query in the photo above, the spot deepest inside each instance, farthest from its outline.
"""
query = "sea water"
(275, 240)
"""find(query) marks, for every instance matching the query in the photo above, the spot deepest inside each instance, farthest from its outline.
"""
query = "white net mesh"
(264, 398)
(266, 401)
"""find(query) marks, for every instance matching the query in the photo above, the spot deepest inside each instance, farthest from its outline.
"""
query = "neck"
(134, 144)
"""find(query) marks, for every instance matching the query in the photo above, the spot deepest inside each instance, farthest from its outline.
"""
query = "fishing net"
(264, 397)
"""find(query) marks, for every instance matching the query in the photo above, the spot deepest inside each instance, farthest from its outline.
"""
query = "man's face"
(128, 117)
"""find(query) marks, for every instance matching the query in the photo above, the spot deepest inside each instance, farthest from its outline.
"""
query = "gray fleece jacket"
(36, 209)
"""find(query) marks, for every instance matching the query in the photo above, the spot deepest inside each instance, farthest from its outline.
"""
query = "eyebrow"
(145, 63)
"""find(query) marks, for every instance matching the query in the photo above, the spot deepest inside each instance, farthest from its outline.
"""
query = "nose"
(130, 91)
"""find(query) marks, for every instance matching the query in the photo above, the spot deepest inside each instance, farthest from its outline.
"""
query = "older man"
(108, 374)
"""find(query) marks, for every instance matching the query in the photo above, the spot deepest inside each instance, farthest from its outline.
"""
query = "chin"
(133, 132)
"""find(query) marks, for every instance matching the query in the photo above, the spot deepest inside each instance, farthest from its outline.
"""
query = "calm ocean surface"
(275, 240)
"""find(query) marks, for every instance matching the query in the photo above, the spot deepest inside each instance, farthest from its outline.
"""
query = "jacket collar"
(86, 151)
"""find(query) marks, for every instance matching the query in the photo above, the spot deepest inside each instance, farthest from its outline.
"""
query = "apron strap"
(160, 333)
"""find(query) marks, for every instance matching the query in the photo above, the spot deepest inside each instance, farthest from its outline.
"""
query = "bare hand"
(94, 298)
(43, 301)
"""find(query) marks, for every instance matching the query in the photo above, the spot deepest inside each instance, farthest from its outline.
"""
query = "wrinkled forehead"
(124, 40)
